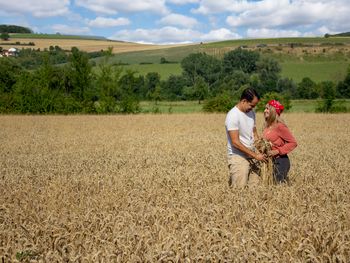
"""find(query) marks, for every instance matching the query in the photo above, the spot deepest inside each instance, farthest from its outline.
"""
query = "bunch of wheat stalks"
(266, 168)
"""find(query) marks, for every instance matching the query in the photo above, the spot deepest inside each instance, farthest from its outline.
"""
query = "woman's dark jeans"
(281, 168)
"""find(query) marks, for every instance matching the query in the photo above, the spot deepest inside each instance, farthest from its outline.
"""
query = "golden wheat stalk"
(266, 168)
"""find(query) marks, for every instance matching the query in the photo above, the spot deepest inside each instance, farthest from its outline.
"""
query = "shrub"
(220, 103)
(284, 99)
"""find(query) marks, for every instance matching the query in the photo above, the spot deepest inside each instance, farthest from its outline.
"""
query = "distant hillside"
(14, 29)
(55, 36)
(66, 42)
(346, 34)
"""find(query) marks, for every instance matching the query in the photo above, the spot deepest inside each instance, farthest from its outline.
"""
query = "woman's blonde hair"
(273, 117)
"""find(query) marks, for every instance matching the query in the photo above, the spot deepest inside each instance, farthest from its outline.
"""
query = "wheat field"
(153, 188)
(89, 45)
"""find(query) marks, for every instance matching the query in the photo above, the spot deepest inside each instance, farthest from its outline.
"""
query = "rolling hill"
(320, 58)
(84, 43)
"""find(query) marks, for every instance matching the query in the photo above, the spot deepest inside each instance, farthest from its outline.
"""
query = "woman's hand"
(273, 153)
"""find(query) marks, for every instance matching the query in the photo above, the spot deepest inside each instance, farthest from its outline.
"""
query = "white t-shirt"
(244, 123)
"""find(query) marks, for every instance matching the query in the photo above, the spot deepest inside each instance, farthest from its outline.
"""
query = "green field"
(277, 41)
(171, 106)
(317, 66)
(193, 106)
(175, 54)
(311, 105)
(165, 70)
(178, 53)
(317, 71)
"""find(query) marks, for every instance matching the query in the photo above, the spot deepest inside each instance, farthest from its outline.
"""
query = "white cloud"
(271, 33)
(183, 2)
(283, 14)
(171, 35)
(220, 35)
(108, 22)
(117, 6)
(70, 30)
(214, 6)
(217, 19)
(37, 8)
(165, 35)
(178, 20)
(288, 14)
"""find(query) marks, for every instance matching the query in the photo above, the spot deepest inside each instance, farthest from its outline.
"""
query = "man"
(241, 131)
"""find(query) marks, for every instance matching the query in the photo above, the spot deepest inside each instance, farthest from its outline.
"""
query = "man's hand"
(260, 157)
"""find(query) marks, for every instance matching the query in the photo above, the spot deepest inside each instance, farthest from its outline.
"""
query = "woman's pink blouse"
(281, 138)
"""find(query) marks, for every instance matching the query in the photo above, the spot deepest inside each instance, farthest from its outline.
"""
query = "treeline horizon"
(75, 88)
(15, 29)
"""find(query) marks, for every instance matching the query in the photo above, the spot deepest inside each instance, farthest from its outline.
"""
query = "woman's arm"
(288, 138)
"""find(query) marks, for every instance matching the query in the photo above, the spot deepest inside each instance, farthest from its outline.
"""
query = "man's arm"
(234, 136)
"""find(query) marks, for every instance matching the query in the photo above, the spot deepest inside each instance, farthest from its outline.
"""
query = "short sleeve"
(232, 121)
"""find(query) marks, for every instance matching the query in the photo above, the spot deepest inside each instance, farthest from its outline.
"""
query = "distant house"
(12, 52)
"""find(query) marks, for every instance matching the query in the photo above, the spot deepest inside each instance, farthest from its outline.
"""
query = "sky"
(179, 21)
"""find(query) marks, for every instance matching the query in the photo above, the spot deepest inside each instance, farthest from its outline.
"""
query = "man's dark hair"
(249, 94)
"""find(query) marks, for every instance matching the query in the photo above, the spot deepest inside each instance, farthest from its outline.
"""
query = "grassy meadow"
(171, 107)
(153, 188)
(282, 41)
(316, 57)
(298, 106)
(164, 70)
(317, 71)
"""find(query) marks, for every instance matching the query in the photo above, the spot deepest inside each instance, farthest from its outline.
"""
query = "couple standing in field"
(241, 133)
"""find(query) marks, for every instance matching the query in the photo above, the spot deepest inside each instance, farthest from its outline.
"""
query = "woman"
(282, 141)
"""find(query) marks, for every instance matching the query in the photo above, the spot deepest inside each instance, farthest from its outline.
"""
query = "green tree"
(152, 80)
(163, 60)
(80, 75)
(30, 97)
(343, 87)
(268, 71)
(306, 89)
(5, 36)
(14, 29)
(200, 65)
(172, 88)
(201, 89)
(287, 87)
(128, 101)
(328, 95)
(156, 95)
(220, 103)
(106, 82)
(230, 83)
(240, 59)
(10, 70)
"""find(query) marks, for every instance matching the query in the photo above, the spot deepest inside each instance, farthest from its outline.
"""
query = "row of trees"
(75, 87)
(31, 58)
(6, 29)
(14, 29)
